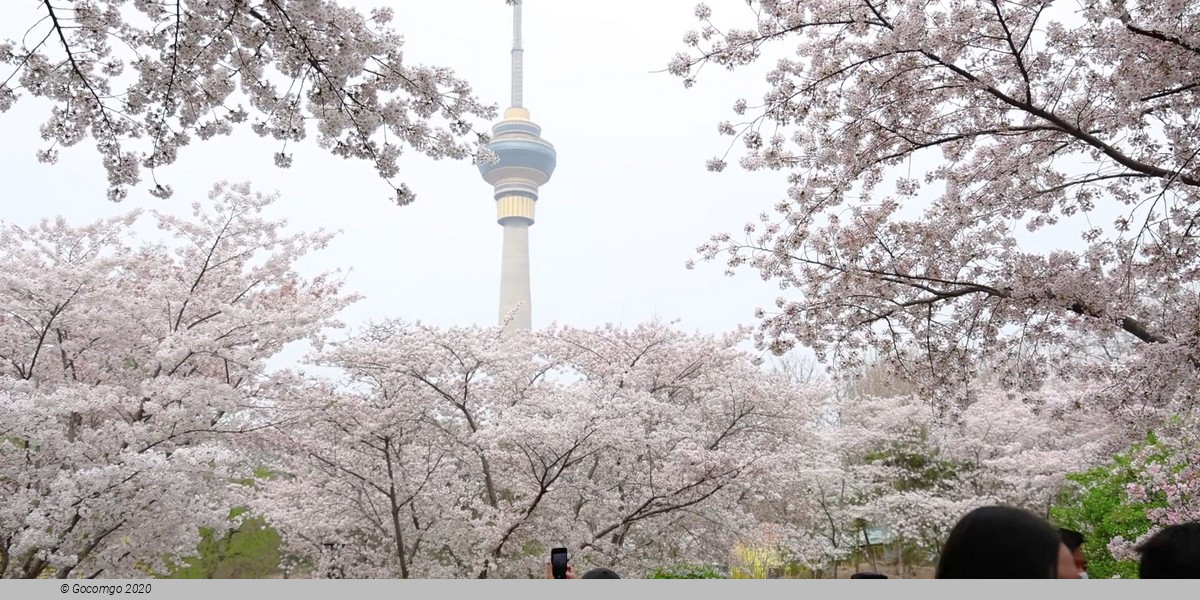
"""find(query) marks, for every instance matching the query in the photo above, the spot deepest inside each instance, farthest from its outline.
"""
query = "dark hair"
(1173, 553)
(868, 575)
(601, 573)
(1073, 539)
(1000, 542)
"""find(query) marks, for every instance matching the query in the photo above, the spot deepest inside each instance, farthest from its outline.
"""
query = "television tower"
(525, 163)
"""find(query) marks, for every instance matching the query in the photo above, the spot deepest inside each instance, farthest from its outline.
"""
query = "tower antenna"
(518, 59)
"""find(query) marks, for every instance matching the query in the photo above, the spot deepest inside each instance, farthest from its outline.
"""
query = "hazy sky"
(629, 201)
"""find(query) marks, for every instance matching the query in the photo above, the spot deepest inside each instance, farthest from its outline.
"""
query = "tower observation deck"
(525, 163)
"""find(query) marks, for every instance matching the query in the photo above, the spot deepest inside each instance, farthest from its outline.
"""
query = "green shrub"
(1097, 506)
(687, 572)
(795, 570)
(249, 552)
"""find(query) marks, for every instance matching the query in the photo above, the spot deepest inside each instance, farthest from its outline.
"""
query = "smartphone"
(558, 563)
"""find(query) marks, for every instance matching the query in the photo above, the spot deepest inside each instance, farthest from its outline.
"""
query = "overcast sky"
(629, 201)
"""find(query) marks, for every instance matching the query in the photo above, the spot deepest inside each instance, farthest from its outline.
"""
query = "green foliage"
(533, 548)
(249, 552)
(795, 570)
(755, 562)
(921, 467)
(259, 473)
(1097, 506)
(687, 572)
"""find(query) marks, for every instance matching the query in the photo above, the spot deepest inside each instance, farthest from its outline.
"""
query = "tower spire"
(518, 59)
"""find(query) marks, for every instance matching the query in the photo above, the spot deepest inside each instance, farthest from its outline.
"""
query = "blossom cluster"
(144, 80)
(975, 185)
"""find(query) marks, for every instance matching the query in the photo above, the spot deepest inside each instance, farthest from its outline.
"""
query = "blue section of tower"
(518, 145)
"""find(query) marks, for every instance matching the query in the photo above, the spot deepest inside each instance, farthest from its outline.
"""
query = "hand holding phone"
(558, 563)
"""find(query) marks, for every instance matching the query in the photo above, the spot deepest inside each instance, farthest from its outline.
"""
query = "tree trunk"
(399, 540)
(395, 510)
(4, 558)
(870, 551)
(488, 484)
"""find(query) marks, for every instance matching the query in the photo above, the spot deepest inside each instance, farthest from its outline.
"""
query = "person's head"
(1173, 553)
(1000, 542)
(868, 575)
(601, 573)
(1073, 540)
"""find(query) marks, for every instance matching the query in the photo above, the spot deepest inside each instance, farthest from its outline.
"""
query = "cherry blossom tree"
(918, 139)
(126, 372)
(1168, 474)
(145, 79)
(1005, 448)
(461, 452)
(896, 463)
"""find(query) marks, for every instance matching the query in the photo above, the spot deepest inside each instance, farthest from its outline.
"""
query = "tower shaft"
(514, 277)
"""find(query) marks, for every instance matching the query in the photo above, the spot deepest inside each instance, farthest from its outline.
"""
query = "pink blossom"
(204, 69)
(922, 140)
